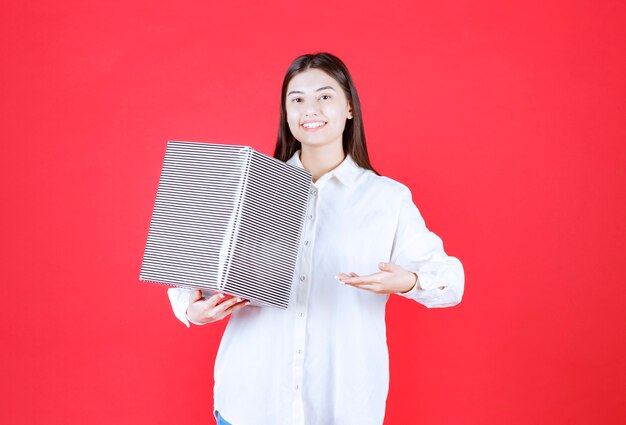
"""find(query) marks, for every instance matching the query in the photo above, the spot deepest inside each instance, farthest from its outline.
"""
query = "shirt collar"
(346, 172)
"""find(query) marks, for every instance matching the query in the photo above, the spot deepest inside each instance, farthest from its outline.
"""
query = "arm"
(419, 269)
(440, 278)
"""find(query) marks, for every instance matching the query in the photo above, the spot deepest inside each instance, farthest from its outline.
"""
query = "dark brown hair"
(353, 133)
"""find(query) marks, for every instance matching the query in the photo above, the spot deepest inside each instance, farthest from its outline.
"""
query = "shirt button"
(299, 351)
(310, 216)
(302, 278)
(301, 314)
(306, 243)
(297, 387)
(314, 192)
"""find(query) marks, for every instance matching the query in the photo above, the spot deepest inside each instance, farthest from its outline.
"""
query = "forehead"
(311, 80)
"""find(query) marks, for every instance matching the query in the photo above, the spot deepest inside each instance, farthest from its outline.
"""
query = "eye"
(325, 97)
(296, 99)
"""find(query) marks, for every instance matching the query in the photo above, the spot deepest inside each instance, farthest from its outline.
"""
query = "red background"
(506, 119)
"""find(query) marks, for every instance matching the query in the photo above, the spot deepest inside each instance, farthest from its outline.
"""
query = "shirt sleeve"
(179, 298)
(417, 249)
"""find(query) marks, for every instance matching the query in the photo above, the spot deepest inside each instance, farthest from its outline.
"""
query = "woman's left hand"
(390, 279)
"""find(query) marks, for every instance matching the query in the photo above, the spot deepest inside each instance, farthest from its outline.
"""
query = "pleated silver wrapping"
(227, 218)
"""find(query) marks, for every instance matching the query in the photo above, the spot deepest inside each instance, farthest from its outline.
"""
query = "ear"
(350, 111)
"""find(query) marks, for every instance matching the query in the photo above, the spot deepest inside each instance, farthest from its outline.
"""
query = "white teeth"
(313, 124)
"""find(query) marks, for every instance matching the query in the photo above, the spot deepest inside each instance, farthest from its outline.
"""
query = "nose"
(311, 108)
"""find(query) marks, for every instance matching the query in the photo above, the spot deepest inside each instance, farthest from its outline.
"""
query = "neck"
(321, 159)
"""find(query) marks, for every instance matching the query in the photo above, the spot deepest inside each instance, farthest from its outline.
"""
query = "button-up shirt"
(324, 360)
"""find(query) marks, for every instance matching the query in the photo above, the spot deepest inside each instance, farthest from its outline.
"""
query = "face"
(317, 108)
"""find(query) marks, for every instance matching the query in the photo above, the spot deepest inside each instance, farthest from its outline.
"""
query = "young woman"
(324, 360)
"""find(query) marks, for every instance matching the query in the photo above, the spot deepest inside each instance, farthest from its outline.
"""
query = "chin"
(313, 143)
(308, 140)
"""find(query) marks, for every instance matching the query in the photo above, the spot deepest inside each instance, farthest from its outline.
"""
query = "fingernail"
(239, 299)
(337, 277)
(246, 303)
(221, 295)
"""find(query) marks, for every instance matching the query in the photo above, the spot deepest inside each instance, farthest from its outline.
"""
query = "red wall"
(506, 119)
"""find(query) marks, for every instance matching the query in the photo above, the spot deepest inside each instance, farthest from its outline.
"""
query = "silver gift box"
(229, 219)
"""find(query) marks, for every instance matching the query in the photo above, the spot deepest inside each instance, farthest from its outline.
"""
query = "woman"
(324, 360)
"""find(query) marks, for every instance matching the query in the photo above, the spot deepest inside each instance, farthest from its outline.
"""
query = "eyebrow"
(320, 89)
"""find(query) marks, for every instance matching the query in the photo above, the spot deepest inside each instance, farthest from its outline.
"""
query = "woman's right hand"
(202, 311)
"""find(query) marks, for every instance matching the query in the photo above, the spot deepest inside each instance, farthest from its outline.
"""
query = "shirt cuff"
(179, 298)
(422, 286)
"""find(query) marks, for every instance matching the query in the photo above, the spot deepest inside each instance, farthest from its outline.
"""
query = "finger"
(225, 305)
(237, 306)
(343, 276)
(214, 300)
(372, 278)
(195, 296)
(372, 287)
(346, 276)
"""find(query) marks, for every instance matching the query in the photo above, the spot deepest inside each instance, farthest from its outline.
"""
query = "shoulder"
(380, 192)
(385, 186)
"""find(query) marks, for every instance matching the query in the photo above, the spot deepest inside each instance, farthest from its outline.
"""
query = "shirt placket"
(303, 289)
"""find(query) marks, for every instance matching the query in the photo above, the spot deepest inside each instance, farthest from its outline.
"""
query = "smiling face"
(317, 108)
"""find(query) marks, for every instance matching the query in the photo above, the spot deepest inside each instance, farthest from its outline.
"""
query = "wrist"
(415, 285)
(417, 282)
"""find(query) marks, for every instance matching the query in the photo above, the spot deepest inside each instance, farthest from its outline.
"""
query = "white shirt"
(324, 360)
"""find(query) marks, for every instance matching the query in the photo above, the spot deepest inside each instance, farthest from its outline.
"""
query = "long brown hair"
(353, 133)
